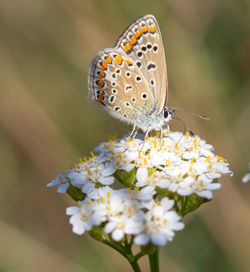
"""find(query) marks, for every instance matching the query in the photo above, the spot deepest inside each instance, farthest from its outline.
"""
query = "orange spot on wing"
(152, 29)
(103, 66)
(102, 74)
(133, 40)
(100, 83)
(127, 47)
(118, 59)
(144, 29)
(128, 61)
(108, 60)
(101, 97)
(138, 34)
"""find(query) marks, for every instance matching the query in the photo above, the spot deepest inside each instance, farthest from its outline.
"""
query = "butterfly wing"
(142, 42)
(118, 85)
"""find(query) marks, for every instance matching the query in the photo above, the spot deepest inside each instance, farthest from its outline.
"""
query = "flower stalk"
(154, 260)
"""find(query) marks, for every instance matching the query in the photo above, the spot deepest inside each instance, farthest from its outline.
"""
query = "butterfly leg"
(161, 136)
(146, 135)
(134, 132)
(144, 141)
(168, 129)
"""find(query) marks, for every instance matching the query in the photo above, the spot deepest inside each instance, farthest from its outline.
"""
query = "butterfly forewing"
(117, 84)
(142, 42)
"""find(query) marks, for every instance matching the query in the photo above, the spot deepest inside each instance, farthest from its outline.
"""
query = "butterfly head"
(168, 115)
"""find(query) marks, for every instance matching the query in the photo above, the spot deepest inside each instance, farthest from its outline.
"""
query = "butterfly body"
(130, 80)
(152, 122)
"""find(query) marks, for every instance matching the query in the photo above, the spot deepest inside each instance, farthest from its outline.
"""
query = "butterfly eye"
(165, 114)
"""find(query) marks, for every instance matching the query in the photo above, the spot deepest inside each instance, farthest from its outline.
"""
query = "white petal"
(127, 167)
(246, 178)
(63, 188)
(78, 228)
(88, 225)
(158, 239)
(190, 154)
(132, 155)
(214, 175)
(87, 188)
(168, 232)
(185, 192)
(93, 194)
(228, 173)
(167, 203)
(72, 210)
(133, 227)
(96, 219)
(142, 174)
(157, 211)
(77, 178)
(117, 235)
(173, 187)
(109, 227)
(178, 226)
(213, 186)
(148, 190)
(106, 180)
(148, 205)
(53, 182)
(141, 239)
(140, 184)
(172, 216)
(75, 218)
(163, 183)
(205, 194)
(108, 171)
(206, 153)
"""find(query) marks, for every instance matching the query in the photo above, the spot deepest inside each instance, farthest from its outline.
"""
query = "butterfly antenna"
(175, 116)
(190, 112)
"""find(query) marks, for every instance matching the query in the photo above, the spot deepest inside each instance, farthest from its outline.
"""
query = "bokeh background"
(47, 121)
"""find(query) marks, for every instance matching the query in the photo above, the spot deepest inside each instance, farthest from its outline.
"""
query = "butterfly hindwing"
(117, 84)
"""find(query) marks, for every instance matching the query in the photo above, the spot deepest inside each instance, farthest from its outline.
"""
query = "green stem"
(135, 266)
(116, 247)
(154, 260)
(127, 245)
(127, 253)
(140, 254)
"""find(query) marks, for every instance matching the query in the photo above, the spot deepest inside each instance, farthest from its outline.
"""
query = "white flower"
(109, 202)
(124, 224)
(144, 196)
(88, 177)
(83, 217)
(63, 180)
(246, 178)
(157, 178)
(160, 224)
(174, 162)
(203, 186)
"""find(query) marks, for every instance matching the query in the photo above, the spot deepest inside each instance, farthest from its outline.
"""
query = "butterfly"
(130, 79)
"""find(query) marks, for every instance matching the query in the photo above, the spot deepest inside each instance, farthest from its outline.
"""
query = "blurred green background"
(47, 121)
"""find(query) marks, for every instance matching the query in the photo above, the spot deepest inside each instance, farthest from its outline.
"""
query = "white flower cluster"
(246, 178)
(123, 211)
(177, 163)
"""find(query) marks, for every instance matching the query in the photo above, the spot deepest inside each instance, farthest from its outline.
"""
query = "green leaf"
(97, 233)
(128, 179)
(192, 203)
(166, 193)
(75, 193)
